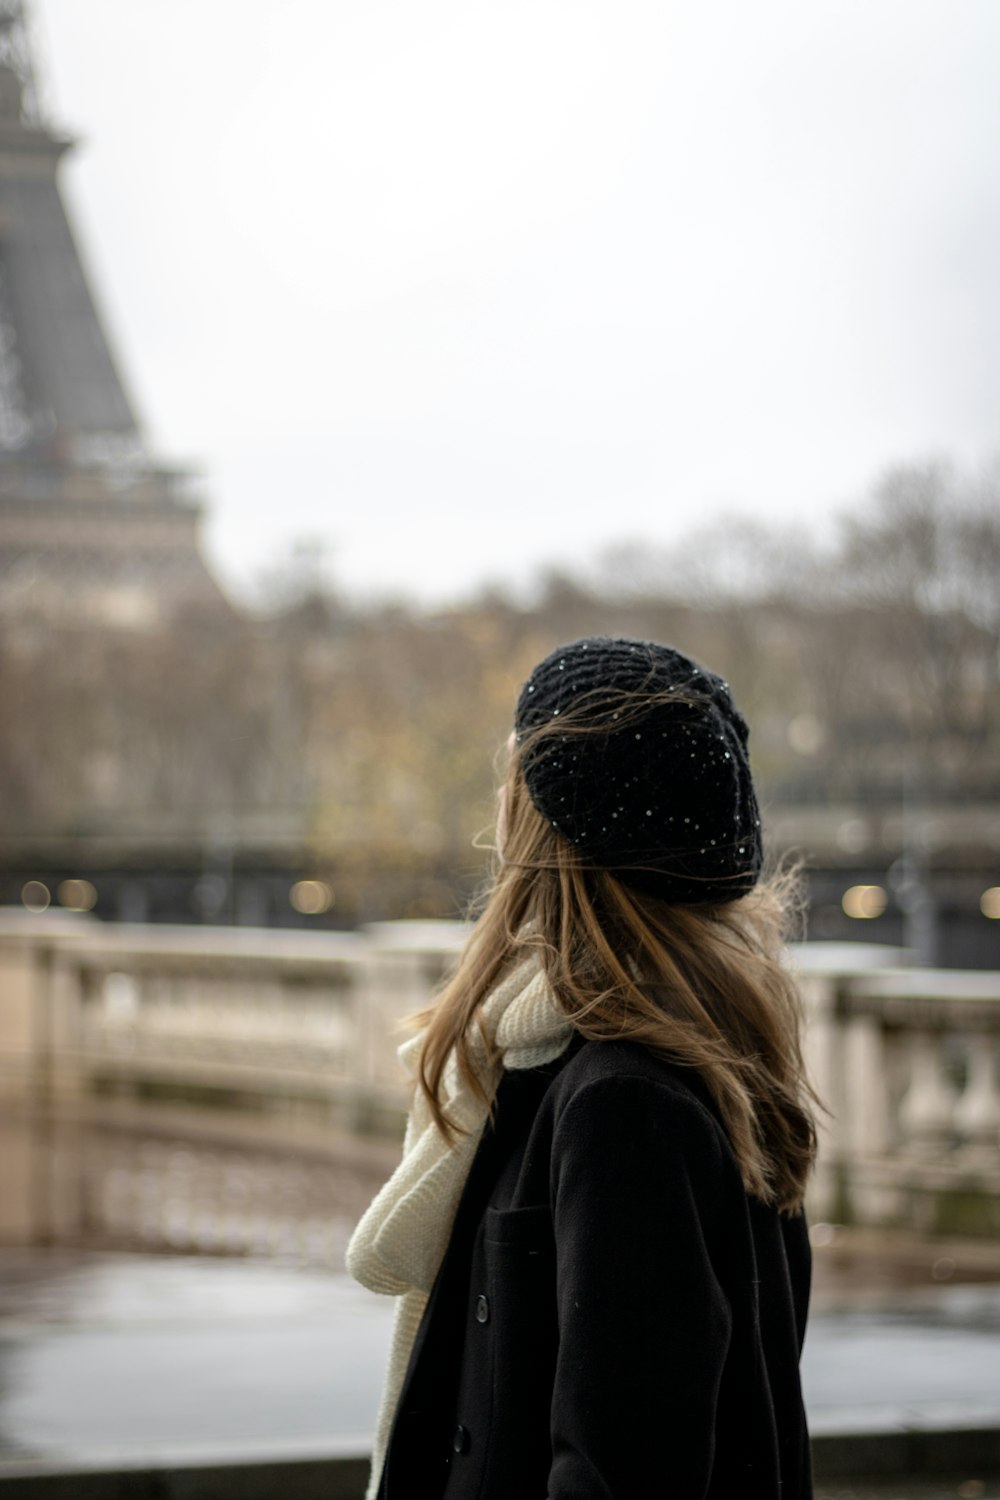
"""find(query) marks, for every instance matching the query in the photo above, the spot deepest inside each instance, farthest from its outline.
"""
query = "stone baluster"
(822, 1051)
(977, 1113)
(866, 1128)
(926, 1111)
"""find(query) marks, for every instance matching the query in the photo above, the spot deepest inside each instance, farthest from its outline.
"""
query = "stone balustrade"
(248, 1015)
(906, 1060)
(908, 1063)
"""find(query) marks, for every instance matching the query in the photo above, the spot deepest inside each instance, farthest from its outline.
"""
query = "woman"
(596, 1231)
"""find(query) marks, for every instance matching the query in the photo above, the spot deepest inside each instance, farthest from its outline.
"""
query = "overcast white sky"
(461, 285)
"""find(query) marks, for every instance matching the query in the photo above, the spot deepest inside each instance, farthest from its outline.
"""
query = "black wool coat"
(615, 1318)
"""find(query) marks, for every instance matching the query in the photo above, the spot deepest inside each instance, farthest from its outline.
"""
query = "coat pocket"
(525, 1229)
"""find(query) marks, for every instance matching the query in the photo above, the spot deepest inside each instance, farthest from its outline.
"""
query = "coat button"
(460, 1439)
(482, 1310)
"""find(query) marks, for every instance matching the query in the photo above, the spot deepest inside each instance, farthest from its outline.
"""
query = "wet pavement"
(117, 1356)
(930, 1359)
(111, 1356)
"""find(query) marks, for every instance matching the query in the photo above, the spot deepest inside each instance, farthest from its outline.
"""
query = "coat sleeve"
(644, 1324)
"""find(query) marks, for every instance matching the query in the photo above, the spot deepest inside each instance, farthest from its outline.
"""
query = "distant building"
(92, 531)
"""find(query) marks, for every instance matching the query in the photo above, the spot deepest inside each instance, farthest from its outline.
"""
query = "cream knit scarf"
(400, 1242)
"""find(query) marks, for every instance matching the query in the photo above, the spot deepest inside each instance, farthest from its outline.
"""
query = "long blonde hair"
(703, 986)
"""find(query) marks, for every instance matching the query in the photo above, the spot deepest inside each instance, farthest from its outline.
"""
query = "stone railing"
(248, 1015)
(908, 1063)
(906, 1060)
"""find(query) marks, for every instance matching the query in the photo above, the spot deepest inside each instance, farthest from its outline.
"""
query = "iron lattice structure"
(90, 526)
(17, 57)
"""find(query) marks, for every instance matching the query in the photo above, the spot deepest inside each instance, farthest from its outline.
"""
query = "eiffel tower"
(92, 531)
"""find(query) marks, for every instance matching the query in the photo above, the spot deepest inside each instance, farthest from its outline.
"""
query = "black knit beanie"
(643, 766)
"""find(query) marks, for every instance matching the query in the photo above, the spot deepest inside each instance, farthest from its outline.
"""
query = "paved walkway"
(106, 1356)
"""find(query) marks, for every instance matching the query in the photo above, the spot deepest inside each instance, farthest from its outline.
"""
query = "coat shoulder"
(623, 1095)
(621, 1071)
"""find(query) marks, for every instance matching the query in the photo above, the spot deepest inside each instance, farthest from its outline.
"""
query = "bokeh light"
(77, 895)
(864, 901)
(35, 896)
(311, 897)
